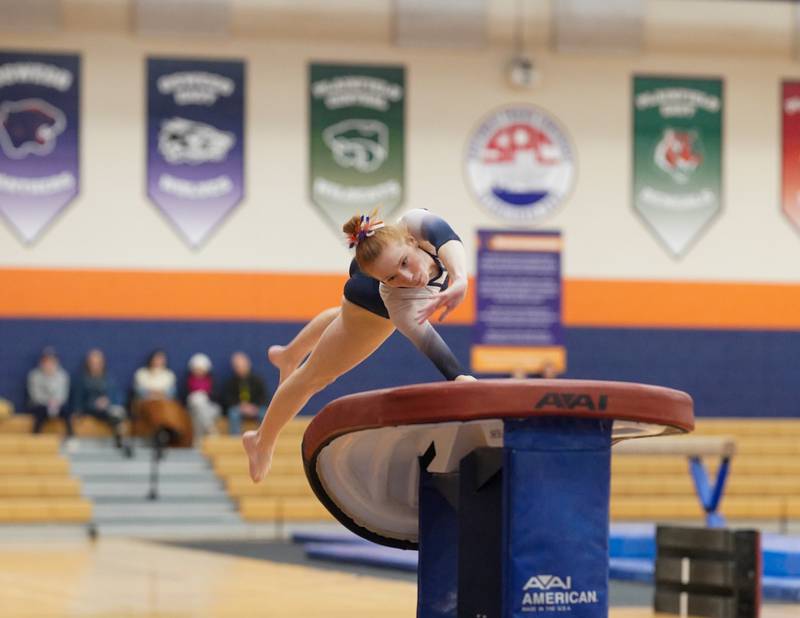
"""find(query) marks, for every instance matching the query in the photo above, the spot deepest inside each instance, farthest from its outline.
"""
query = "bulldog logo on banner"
(357, 141)
(39, 122)
(677, 156)
(195, 149)
(520, 164)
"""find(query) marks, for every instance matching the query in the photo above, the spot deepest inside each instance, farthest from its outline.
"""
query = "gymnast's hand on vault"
(449, 300)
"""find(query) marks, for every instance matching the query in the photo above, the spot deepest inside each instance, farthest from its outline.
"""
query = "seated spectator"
(48, 392)
(244, 395)
(155, 380)
(96, 394)
(155, 408)
(200, 397)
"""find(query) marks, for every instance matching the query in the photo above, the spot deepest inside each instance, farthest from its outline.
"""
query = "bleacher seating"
(764, 482)
(35, 483)
(84, 426)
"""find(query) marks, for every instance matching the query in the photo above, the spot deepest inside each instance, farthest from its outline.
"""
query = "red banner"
(791, 151)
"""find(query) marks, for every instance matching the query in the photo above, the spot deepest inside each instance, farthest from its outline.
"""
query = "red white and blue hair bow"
(364, 229)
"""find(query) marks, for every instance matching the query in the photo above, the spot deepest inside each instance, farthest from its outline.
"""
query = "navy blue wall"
(729, 373)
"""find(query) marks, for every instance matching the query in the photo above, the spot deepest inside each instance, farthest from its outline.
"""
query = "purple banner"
(39, 134)
(195, 142)
(518, 315)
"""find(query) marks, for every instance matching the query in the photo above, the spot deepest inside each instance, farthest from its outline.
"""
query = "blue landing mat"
(781, 554)
(365, 553)
(631, 550)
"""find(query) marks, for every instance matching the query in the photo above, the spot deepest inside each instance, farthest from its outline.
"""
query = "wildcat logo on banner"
(357, 141)
(520, 164)
(677, 156)
(39, 121)
(195, 142)
(791, 152)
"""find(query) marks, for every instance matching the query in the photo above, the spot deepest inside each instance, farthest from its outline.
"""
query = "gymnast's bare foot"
(260, 459)
(465, 378)
(279, 356)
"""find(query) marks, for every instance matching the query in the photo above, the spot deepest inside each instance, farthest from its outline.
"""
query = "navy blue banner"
(195, 142)
(518, 303)
(39, 136)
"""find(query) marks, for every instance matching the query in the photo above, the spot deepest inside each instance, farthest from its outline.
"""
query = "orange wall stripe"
(671, 304)
(166, 295)
(298, 297)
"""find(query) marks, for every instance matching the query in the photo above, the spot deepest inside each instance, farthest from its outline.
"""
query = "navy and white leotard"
(401, 305)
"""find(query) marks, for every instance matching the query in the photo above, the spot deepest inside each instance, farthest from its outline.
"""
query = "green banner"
(677, 156)
(357, 139)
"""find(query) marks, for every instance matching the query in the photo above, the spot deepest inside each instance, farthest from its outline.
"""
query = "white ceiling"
(651, 26)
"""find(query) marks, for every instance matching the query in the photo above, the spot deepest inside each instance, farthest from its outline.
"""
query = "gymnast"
(402, 275)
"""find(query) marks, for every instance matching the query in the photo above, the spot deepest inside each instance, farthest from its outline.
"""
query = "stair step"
(145, 510)
(191, 489)
(106, 468)
(107, 455)
(173, 531)
(192, 501)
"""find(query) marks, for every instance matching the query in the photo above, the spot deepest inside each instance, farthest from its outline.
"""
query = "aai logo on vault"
(520, 163)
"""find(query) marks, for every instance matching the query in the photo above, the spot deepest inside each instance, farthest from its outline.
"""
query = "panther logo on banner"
(520, 164)
(39, 139)
(30, 126)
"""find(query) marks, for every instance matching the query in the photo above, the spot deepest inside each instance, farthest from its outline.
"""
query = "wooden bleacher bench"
(742, 427)
(693, 448)
(275, 486)
(284, 496)
(236, 465)
(15, 444)
(35, 483)
(49, 465)
(39, 510)
(84, 426)
(283, 509)
(32, 486)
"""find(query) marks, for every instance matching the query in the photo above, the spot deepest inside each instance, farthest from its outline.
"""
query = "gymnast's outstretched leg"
(350, 338)
(288, 357)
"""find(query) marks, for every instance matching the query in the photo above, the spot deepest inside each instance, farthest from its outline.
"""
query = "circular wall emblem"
(520, 164)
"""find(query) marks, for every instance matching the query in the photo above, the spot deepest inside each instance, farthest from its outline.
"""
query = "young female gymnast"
(401, 275)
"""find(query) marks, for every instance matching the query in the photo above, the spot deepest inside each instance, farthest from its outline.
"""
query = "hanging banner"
(677, 156)
(39, 139)
(520, 164)
(357, 139)
(791, 152)
(195, 142)
(518, 325)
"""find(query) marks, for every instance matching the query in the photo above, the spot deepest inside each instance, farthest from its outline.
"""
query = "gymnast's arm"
(425, 338)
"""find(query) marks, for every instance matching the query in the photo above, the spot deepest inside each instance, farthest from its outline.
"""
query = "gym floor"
(112, 578)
